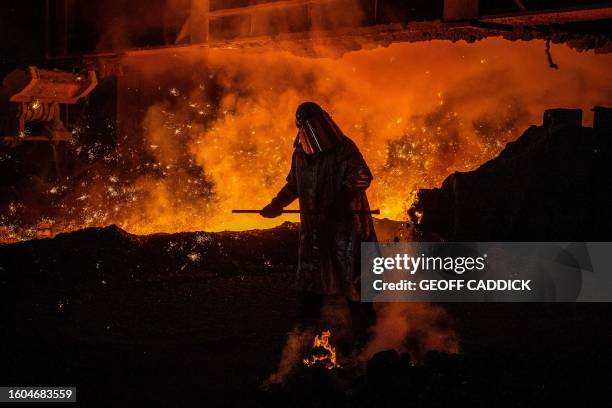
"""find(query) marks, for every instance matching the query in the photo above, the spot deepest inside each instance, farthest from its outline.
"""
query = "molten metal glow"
(418, 112)
(201, 132)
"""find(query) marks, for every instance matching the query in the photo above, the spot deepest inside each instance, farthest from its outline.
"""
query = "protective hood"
(318, 131)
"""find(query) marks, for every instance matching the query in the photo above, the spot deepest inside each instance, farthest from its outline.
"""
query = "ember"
(322, 354)
(199, 132)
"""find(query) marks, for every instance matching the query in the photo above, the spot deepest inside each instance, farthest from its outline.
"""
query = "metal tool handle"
(303, 212)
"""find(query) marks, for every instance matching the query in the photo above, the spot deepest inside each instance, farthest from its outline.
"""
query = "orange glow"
(418, 112)
(323, 352)
(218, 125)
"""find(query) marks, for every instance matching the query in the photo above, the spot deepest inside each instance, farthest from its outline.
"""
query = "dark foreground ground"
(200, 319)
(124, 323)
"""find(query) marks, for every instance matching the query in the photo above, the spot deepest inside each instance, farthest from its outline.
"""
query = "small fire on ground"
(322, 354)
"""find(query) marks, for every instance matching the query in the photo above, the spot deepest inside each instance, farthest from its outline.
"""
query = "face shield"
(318, 132)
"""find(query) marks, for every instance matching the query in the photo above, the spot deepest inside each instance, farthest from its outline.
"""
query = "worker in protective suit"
(329, 177)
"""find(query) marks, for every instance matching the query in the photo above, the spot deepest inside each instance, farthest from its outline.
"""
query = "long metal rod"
(303, 212)
(271, 5)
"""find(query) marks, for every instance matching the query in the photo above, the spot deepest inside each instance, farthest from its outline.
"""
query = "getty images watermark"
(486, 272)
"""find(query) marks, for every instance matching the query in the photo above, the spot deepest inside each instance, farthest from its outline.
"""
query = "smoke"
(334, 316)
(296, 346)
(415, 328)
(418, 112)
(203, 131)
(124, 24)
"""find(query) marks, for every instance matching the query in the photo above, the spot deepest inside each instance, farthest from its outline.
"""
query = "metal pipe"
(304, 212)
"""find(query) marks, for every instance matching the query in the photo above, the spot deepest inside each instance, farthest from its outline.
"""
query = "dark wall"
(116, 24)
(21, 34)
(509, 6)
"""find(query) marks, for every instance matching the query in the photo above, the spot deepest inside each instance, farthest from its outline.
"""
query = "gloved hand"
(271, 210)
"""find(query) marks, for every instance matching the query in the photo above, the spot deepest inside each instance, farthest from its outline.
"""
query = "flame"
(322, 353)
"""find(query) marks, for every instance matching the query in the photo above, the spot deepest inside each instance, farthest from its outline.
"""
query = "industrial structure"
(80, 38)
